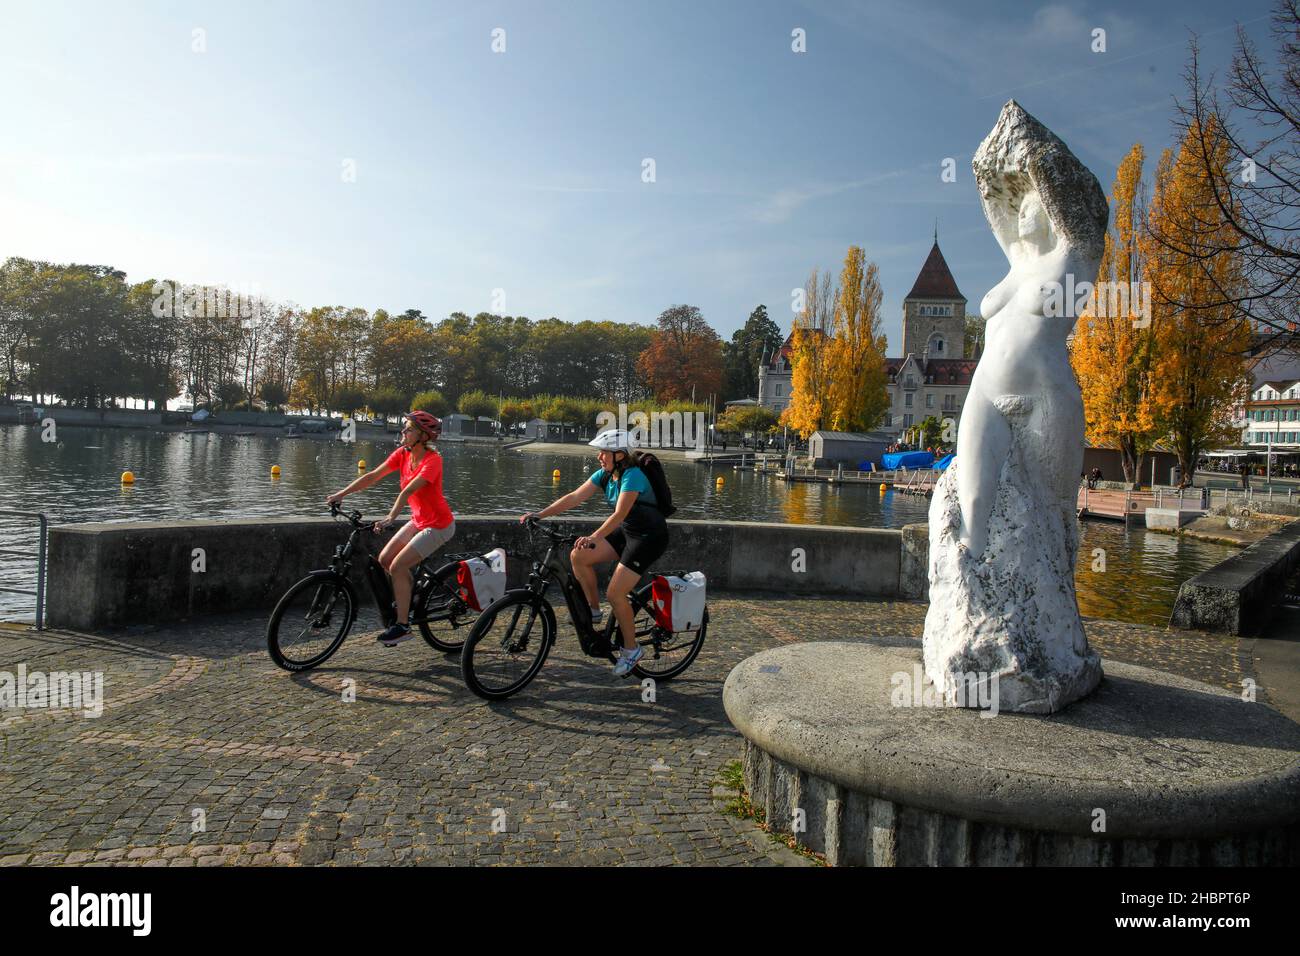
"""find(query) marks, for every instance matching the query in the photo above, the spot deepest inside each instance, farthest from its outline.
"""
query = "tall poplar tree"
(857, 377)
(1200, 371)
(810, 340)
(1112, 349)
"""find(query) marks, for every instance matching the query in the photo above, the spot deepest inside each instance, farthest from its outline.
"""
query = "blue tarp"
(906, 459)
(944, 462)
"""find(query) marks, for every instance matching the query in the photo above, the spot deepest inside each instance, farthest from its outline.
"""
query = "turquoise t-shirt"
(633, 479)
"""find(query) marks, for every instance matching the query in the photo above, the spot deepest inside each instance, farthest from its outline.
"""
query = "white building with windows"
(1272, 416)
(775, 375)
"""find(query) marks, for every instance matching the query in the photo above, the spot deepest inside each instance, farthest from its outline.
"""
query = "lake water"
(209, 476)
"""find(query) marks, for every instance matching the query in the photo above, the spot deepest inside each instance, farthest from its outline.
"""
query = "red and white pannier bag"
(678, 603)
(481, 580)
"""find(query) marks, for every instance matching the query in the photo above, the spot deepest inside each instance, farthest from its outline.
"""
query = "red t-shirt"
(429, 508)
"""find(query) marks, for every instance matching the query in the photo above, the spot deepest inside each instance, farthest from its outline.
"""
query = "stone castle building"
(931, 378)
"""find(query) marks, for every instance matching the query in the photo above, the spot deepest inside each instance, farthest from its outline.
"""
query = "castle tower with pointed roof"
(932, 377)
(934, 312)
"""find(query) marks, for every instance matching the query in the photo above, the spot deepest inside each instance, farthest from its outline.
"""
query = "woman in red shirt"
(432, 524)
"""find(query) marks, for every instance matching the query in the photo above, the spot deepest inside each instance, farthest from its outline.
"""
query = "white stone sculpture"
(1003, 528)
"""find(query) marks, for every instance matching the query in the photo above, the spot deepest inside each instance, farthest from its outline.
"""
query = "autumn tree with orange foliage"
(810, 341)
(684, 359)
(1202, 335)
(1112, 348)
(859, 399)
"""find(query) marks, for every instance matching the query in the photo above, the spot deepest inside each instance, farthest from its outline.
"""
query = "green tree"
(476, 404)
(757, 338)
(348, 399)
(229, 394)
(388, 402)
(431, 401)
(931, 432)
(273, 394)
(747, 418)
(516, 410)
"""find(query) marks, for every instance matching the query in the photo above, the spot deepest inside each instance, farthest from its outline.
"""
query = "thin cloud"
(784, 203)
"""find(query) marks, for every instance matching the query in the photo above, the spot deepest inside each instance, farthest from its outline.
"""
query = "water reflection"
(199, 476)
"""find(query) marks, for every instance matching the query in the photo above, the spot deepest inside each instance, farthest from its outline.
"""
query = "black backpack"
(654, 473)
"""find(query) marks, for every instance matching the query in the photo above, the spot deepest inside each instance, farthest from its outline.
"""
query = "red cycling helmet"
(430, 425)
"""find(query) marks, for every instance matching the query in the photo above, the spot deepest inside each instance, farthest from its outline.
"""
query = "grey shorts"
(425, 542)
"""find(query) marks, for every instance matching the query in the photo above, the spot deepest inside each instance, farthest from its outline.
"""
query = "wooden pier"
(1117, 505)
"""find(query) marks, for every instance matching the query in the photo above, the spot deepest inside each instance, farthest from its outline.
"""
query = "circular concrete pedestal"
(1150, 769)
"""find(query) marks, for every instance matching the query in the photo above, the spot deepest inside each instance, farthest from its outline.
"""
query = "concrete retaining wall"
(914, 563)
(1170, 519)
(1235, 596)
(103, 576)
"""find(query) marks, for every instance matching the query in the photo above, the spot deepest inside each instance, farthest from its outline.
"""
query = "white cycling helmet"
(613, 439)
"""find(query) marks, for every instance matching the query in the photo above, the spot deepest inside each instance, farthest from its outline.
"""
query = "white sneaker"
(597, 616)
(626, 661)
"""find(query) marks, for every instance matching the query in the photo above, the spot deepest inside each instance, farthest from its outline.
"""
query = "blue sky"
(522, 170)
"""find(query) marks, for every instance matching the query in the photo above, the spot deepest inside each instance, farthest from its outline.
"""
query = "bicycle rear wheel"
(309, 623)
(664, 654)
(443, 618)
(507, 645)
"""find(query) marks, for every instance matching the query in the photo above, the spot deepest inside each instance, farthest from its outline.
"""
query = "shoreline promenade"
(200, 727)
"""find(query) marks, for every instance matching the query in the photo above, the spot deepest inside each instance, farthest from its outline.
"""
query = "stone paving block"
(199, 718)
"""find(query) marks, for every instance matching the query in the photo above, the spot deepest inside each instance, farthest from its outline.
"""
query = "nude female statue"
(1024, 381)
(1003, 532)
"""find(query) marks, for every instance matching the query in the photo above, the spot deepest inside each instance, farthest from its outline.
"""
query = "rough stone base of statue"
(847, 748)
(1010, 613)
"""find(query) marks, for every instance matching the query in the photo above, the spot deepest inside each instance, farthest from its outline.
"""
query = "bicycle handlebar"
(353, 517)
(534, 523)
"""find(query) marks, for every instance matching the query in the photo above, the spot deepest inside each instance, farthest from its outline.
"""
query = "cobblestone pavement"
(207, 754)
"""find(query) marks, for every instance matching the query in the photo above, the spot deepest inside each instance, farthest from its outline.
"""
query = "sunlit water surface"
(208, 476)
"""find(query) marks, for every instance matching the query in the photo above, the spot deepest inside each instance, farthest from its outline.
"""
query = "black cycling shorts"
(639, 551)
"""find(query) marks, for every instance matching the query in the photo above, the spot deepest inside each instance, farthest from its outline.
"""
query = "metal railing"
(39, 593)
(1251, 495)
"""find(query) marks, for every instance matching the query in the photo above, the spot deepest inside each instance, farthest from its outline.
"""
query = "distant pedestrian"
(1245, 477)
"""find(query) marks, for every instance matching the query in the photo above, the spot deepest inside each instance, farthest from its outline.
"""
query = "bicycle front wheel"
(310, 623)
(443, 618)
(507, 645)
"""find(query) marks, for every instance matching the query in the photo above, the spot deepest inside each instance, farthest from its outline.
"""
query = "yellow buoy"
(882, 487)
(128, 478)
(555, 474)
(275, 471)
(720, 481)
(361, 465)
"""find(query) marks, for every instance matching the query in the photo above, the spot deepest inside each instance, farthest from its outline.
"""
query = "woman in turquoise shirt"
(635, 535)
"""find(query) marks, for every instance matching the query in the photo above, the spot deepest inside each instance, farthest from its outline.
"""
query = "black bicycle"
(512, 638)
(314, 617)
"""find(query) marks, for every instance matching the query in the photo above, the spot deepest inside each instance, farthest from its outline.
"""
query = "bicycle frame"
(381, 585)
(554, 568)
